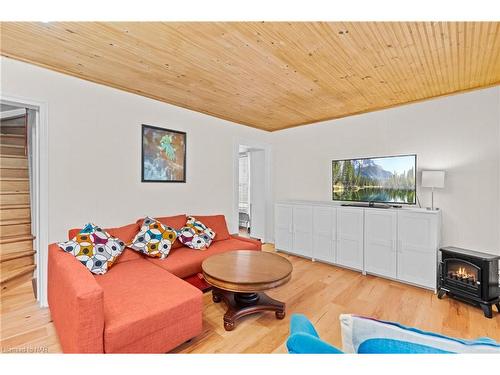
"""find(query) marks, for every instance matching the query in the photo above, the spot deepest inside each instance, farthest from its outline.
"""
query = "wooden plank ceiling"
(269, 75)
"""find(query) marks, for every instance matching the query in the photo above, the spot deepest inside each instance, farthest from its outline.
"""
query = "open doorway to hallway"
(252, 192)
(17, 228)
(244, 223)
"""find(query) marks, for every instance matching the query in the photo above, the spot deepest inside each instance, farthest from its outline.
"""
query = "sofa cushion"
(125, 233)
(176, 222)
(195, 234)
(147, 309)
(94, 248)
(190, 238)
(154, 239)
(186, 262)
(218, 225)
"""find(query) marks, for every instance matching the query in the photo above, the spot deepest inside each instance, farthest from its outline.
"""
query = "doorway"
(244, 222)
(253, 190)
(24, 175)
(18, 230)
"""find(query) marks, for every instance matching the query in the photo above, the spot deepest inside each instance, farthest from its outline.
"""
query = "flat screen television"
(387, 179)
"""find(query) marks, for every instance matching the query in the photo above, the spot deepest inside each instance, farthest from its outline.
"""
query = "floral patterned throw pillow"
(154, 239)
(94, 248)
(195, 234)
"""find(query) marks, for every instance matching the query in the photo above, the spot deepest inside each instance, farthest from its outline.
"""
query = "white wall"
(95, 152)
(459, 134)
(94, 134)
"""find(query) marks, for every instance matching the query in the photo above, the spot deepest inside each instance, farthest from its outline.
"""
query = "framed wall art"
(163, 155)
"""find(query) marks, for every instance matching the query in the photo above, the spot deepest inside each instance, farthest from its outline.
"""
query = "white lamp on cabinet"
(433, 179)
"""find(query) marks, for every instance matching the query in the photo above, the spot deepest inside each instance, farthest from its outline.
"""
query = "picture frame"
(163, 154)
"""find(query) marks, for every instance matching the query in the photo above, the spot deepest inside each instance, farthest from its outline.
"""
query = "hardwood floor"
(319, 291)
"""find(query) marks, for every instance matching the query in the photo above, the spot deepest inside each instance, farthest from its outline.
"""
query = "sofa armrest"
(76, 303)
(256, 242)
(304, 338)
(300, 324)
(304, 343)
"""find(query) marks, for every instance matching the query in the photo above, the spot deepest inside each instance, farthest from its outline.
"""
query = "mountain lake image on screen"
(388, 179)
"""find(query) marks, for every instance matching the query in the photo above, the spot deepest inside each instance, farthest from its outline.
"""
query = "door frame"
(234, 225)
(41, 187)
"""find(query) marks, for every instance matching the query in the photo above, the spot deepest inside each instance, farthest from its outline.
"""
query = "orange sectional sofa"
(142, 304)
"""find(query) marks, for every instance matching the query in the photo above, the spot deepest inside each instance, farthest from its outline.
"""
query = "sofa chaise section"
(148, 310)
(135, 307)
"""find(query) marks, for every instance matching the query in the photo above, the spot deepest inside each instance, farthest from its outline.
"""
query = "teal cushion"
(385, 346)
(357, 331)
(300, 323)
(303, 343)
(305, 340)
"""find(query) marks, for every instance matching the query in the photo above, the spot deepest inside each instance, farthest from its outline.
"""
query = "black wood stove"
(470, 276)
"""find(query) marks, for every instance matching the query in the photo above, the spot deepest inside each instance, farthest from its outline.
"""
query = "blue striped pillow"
(367, 335)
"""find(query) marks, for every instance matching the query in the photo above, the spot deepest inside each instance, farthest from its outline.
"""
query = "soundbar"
(370, 205)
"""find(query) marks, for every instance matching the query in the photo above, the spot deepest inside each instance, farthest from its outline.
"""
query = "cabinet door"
(302, 230)
(324, 229)
(350, 237)
(283, 227)
(417, 248)
(380, 242)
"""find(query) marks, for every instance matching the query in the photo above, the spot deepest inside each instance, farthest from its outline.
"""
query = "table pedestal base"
(241, 304)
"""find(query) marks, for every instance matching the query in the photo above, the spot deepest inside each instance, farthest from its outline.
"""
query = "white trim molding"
(13, 113)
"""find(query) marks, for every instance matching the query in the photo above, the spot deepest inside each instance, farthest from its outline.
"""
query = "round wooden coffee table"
(240, 278)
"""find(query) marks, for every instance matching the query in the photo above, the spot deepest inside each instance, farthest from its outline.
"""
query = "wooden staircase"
(16, 240)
